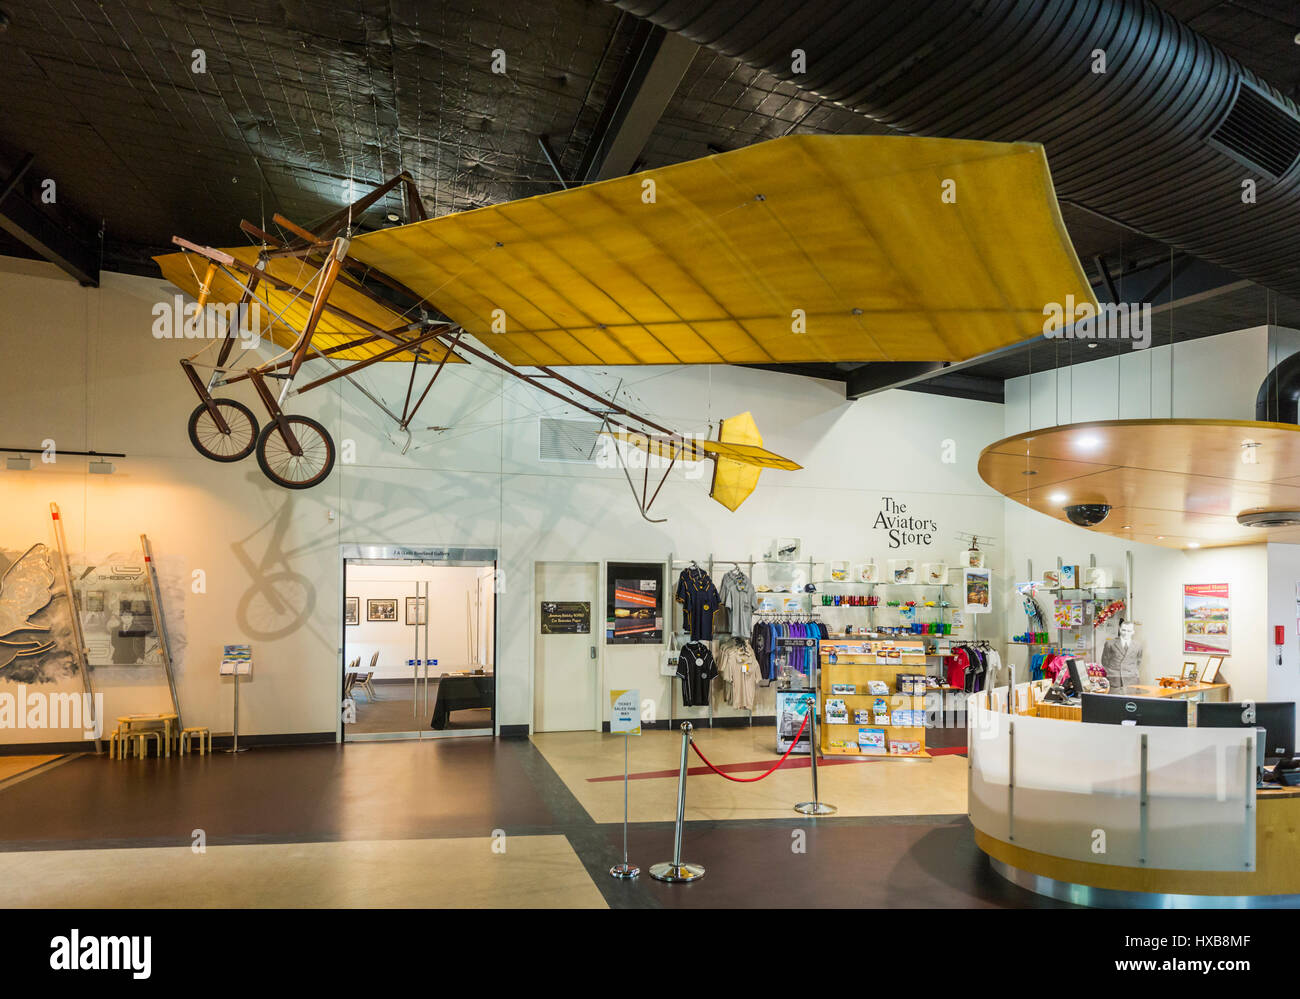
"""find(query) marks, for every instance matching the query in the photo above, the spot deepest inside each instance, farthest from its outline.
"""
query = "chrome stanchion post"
(674, 870)
(816, 806)
(625, 870)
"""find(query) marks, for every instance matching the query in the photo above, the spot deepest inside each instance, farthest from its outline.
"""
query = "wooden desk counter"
(1212, 691)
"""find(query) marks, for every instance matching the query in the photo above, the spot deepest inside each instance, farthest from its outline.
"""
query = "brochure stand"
(237, 659)
(625, 717)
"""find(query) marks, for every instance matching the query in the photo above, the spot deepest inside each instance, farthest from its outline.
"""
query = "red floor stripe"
(799, 763)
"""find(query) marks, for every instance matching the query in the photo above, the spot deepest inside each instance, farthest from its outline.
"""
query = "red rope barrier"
(747, 780)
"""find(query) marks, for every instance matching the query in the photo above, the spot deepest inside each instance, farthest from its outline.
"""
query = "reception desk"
(1130, 815)
(1192, 692)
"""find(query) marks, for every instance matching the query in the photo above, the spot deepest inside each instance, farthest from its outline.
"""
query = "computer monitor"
(1119, 709)
(1078, 674)
(1277, 718)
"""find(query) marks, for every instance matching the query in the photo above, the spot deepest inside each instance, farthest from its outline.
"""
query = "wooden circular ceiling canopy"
(1177, 483)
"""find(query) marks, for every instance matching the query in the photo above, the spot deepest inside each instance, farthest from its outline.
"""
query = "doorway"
(566, 664)
(419, 643)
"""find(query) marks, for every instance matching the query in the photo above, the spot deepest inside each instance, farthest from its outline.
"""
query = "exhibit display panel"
(1117, 795)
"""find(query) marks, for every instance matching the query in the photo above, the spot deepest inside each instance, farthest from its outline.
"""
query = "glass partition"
(1170, 798)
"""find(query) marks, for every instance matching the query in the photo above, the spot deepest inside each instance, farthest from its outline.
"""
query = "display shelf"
(854, 665)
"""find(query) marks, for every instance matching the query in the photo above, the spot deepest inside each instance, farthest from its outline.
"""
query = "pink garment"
(1055, 669)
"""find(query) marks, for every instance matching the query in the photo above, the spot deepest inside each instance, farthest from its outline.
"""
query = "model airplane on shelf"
(801, 249)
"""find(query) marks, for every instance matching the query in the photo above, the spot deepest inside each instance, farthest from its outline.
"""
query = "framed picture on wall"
(381, 610)
(417, 610)
(352, 610)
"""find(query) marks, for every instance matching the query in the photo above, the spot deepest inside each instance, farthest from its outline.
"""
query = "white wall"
(1215, 377)
(83, 367)
(1284, 609)
(451, 590)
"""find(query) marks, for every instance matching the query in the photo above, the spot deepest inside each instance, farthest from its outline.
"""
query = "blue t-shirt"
(699, 599)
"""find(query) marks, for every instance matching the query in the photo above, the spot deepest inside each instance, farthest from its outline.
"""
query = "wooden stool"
(141, 739)
(196, 733)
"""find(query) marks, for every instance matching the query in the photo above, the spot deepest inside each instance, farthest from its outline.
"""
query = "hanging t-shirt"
(739, 598)
(761, 639)
(699, 599)
(696, 669)
(739, 671)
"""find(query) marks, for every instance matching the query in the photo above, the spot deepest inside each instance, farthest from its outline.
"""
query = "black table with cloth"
(456, 693)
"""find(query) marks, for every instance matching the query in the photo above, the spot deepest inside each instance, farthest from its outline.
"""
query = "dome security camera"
(1087, 514)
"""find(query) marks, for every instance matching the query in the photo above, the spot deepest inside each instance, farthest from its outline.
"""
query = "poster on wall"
(117, 613)
(566, 617)
(634, 612)
(975, 590)
(1206, 618)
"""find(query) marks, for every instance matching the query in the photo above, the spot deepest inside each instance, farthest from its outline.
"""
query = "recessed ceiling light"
(1160, 537)
(1127, 527)
(1092, 346)
(1058, 498)
(393, 217)
(1193, 544)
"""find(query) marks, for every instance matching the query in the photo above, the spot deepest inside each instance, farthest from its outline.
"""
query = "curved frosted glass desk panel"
(1088, 792)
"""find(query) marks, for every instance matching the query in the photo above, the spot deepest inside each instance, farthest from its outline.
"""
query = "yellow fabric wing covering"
(801, 249)
(282, 312)
(738, 454)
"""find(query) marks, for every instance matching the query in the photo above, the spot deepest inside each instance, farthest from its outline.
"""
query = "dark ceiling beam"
(1190, 279)
(980, 388)
(881, 375)
(41, 234)
(656, 66)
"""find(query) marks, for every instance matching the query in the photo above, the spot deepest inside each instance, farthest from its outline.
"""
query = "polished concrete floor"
(472, 822)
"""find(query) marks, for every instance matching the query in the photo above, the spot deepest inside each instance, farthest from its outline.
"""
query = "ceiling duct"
(1160, 136)
(1278, 399)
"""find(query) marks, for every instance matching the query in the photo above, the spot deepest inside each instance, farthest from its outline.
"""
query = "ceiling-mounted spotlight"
(1087, 514)
(1268, 518)
(393, 217)
(101, 467)
(18, 464)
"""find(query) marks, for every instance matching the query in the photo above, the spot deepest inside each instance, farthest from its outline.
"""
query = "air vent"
(568, 440)
(1260, 132)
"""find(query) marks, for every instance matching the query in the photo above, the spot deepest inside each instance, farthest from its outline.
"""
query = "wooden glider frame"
(297, 452)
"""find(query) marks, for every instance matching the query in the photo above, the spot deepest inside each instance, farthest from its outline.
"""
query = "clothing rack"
(711, 565)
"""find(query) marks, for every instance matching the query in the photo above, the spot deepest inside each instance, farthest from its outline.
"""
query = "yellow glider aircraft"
(801, 249)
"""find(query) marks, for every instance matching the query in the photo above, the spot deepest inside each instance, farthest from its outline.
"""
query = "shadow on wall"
(280, 601)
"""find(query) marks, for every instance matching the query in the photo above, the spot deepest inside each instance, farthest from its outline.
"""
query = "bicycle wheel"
(208, 439)
(293, 471)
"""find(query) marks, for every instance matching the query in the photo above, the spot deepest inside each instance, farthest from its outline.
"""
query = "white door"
(566, 670)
